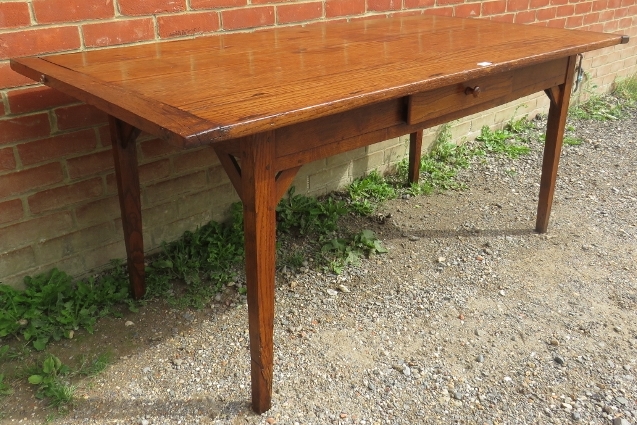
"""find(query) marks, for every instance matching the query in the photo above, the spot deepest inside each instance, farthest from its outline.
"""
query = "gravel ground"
(471, 318)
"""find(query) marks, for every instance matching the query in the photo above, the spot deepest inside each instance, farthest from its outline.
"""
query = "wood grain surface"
(225, 86)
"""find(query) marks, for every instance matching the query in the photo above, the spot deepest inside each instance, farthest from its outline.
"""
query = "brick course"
(38, 40)
(118, 32)
(187, 24)
(14, 15)
(55, 11)
(287, 13)
(58, 204)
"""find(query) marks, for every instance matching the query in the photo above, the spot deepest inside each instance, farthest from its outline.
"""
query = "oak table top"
(221, 87)
(272, 100)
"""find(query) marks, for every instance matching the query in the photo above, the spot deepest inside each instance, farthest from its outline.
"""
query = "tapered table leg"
(259, 197)
(123, 137)
(415, 147)
(558, 110)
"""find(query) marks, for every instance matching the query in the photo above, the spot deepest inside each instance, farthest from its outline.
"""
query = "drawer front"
(438, 102)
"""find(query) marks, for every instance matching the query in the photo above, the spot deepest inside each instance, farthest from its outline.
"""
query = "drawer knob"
(475, 91)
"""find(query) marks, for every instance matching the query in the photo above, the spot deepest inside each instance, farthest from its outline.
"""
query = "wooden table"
(273, 100)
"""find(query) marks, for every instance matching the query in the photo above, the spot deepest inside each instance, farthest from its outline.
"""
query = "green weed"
(317, 220)
(608, 107)
(306, 215)
(439, 168)
(341, 252)
(519, 126)
(93, 366)
(294, 259)
(598, 107)
(502, 142)
(626, 90)
(572, 140)
(8, 353)
(50, 384)
(204, 259)
(5, 389)
(53, 306)
(367, 192)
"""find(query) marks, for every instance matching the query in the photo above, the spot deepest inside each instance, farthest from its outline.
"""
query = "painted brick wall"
(58, 204)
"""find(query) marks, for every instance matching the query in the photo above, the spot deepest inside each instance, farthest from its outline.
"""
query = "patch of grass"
(8, 353)
(95, 365)
(519, 126)
(294, 259)
(502, 142)
(608, 107)
(5, 389)
(626, 90)
(599, 108)
(572, 140)
(369, 191)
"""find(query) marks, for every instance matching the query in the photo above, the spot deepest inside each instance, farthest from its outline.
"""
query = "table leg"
(123, 137)
(259, 195)
(559, 96)
(415, 147)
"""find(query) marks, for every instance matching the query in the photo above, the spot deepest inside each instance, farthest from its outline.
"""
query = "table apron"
(489, 91)
(301, 143)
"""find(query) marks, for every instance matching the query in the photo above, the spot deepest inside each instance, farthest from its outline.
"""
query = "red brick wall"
(57, 190)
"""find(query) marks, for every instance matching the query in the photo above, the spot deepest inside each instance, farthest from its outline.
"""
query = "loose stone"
(622, 400)
(343, 288)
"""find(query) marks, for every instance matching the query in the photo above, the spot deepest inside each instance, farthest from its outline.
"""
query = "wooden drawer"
(451, 102)
(438, 102)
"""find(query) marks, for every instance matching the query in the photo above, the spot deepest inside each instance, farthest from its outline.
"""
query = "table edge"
(187, 130)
